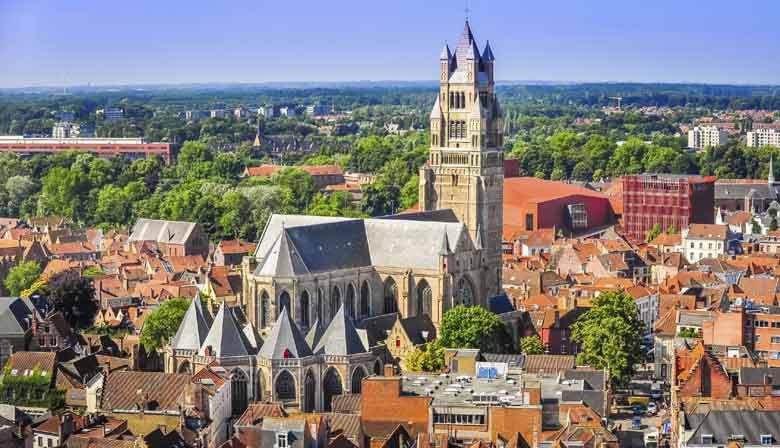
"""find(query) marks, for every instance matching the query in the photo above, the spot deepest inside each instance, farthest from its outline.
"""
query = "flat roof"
(71, 141)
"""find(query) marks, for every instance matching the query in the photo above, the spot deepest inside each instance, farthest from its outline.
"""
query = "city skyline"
(259, 42)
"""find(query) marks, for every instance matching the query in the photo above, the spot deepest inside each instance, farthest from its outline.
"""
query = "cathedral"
(312, 280)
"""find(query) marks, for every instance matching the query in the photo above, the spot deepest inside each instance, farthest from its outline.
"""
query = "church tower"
(465, 167)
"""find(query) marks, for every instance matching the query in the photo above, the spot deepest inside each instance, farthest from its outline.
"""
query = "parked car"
(652, 408)
(636, 422)
(656, 391)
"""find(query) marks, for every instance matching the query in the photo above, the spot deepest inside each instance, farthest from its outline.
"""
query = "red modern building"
(668, 200)
(103, 147)
(531, 204)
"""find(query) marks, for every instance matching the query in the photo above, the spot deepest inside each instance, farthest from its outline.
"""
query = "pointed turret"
(467, 47)
(193, 328)
(445, 55)
(340, 338)
(284, 340)
(487, 54)
(225, 338)
(445, 246)
(436, 111)
(478, 112)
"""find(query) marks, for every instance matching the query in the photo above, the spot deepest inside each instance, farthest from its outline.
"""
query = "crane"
(619, 100)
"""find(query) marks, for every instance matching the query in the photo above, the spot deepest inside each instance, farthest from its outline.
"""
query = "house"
(705, 241)
(16, 326)
(534, 242)
(718, 428)
(147, 400)
(667, 243)
(323, 175)
(770, 243)
(232, 252)
(400, 335)
(646, 301)
(172, 238)
(53, 333)
(206, 409)
(625, 264)
(223, 286)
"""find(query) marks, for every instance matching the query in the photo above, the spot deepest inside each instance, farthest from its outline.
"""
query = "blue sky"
(172, 41)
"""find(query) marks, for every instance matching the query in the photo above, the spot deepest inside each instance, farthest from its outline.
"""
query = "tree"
(773, 225)
(162, 323)
(671, 230)
(653, 232)
(532, 345)
(21, 277)
(428, 358)
(74, 296)
(610, 335)
(473, 327)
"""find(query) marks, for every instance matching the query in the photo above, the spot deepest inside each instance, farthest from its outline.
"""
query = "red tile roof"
(122, 390)
(313, 170)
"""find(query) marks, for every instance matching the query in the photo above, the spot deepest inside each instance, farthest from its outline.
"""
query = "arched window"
(331, 385)
(238, 391)
(365, 298)
(265, 310)
(304, 307)
(350, 301)
(424, 298)
(335, 301)
(285, 387)
(284, 302)
(390, 296)
(185, 367)
(309, 392)
(357, 378)
(464, 294)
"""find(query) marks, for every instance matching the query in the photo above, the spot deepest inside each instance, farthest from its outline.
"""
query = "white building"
(646, 302)
(110, 114)
(288, 111)
(267, 111)
(701, 137)
(705, 241)
(763, 137)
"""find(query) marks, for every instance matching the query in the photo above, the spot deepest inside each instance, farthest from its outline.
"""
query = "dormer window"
(706, 439)
(766, 439)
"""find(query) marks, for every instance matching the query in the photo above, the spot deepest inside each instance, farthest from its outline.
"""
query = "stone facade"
(464, 171)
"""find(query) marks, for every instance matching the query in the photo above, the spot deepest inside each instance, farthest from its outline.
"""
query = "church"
(312, 279)
(448, 253)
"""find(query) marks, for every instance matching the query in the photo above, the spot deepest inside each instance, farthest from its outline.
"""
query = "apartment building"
(763, 137)
(701, 137)
(705, 241)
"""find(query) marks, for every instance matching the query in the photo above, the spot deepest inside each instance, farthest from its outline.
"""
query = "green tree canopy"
(21, 277)
(653, 232)
(473, 327)
(610, 335)
(162, 323)
(427, 358)
(532, 345)
(74, 296)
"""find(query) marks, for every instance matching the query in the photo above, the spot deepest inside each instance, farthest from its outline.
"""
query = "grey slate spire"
(467, 47)
(284, 337)
(340, 338)
(445, 53)
(487, 55)
(479, 244)
(225, 337)
(445, 245)
(314, 334)
(193, 328)
(436, 111)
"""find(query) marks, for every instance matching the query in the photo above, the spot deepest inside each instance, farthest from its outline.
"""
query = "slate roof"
(740, 191)
(340, 338)
(171, 232)
(722, 425)
(757, 375)
(21, 362)
(314, 334)
(161, 390)
(193, 328)
(487, 55)
(292, 246)
(414, 326)
(285, 336)
(225, 337)
(14, 315)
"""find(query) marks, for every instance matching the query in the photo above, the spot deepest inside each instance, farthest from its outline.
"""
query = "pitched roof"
(171, 232)
(314, 334)
(24, 362)
(160, 390)
(313, 170)
(225, 337)
(284, 340)
(548, 363)
(711, 231)
(282, 260)
(193, 328)
(487, 54)
(340, 338)
(15, 315)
